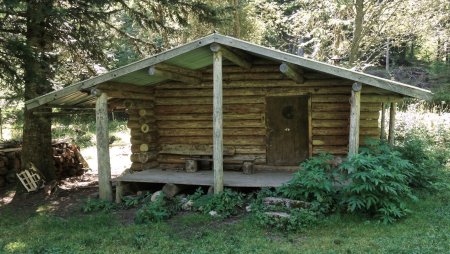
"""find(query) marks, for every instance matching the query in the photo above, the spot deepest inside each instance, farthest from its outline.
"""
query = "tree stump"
(191, 166)
(247, 167)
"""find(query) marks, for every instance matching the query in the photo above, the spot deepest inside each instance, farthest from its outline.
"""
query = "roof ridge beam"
(231, 56)
(292, 72)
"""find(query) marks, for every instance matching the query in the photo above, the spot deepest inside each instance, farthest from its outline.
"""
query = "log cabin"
(220, 111)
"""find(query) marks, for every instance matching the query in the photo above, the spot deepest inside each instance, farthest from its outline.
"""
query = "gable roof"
(196, 55)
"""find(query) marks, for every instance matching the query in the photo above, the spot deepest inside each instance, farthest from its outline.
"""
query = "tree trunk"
(237, 19)
(38, 72)
(357, 31)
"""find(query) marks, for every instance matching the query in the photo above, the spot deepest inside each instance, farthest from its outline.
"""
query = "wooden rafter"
(230, 55)
(292, 72)
(166, 74)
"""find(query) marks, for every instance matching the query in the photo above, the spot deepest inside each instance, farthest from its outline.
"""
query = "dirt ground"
(70, 193)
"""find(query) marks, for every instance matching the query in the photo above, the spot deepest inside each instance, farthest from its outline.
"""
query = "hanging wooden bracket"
(231, 56)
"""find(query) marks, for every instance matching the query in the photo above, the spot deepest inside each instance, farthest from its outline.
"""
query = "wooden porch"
(206, 178)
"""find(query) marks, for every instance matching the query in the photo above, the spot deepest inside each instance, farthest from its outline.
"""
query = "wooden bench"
(191, 164)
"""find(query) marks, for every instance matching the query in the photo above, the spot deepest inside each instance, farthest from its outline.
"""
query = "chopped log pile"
(68, 161)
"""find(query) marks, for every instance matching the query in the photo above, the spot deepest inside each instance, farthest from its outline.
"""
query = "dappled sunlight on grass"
(15, 247)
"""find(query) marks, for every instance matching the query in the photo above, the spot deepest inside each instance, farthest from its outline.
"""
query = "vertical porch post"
(383, 122)
(355, 108)
(104, 167)
(392, 112)
(217, 119)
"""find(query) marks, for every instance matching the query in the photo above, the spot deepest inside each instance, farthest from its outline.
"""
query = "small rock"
(248, 208)
(188, 205)
(213, 213)
(210, 190)
(155, 196)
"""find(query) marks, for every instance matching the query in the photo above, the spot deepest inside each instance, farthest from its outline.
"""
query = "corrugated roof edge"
(243, 45)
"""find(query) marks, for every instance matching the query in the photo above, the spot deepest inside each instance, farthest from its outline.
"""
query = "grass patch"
(426, 230)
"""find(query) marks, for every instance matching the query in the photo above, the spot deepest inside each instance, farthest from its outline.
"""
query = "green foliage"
(95, 205)
(376, 183)
(133, 201)
(225, 204)
(159, 210)
(313, 183)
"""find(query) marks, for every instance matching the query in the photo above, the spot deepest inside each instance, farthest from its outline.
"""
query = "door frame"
(309, 111)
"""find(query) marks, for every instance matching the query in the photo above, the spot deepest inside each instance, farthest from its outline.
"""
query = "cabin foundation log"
(104, 166)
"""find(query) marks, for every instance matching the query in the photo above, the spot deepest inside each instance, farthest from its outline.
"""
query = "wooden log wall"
(144, 135)
(184, 113)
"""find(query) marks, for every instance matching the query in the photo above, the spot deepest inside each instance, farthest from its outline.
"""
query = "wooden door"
(287, 128)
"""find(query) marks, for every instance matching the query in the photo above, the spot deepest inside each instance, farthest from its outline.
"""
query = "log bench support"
(103, 159)
(355, 108)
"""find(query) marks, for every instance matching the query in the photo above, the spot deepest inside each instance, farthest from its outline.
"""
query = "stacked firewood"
(9, 164)
(68, 160)
(143, 132)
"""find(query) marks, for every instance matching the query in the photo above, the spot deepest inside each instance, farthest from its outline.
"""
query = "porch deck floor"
(206, 178)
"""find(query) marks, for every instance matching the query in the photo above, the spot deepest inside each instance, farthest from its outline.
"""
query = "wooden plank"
(355, 102)
(205, 178)
(250, 149)
(344, 131)
(339, 107)
(330, 140)
(392, 112)
(156, 72)
(293, 72)
(367, 115)
(104, 166)
(337, 150)
(231, 56)
(343, 123)
(217, 121)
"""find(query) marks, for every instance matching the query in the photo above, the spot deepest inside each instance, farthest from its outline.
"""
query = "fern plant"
(313, 183)
(376, 183)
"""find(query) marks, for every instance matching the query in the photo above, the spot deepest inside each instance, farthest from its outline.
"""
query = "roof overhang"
(197, 55)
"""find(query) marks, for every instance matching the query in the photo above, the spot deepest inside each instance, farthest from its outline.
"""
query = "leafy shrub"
(376, 183)
(428, 161)
(94, 205)
(159, 210)
(314, 183)
(133, 201)
(225, 204)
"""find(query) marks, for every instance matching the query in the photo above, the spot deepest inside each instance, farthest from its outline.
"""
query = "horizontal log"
(137, 125)
(330, 140)
(143, 139)
(190, 149)
(208, 124)
(234, 159)
(135, 166)
(145, 112)
(343, 123)
(138, 104)
(366, 115)
(250, 149)
(208, 132)
(208, 100)
(134, 132)
(343, 131)
(137, 148)
(337, 150)
(194, 109)
(333, 107)
(128, 95)
(126, 87)
(370, 98)
(200, 116)
(141, 120)
(143, 157)
(231, 140)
